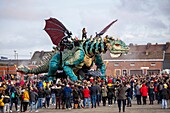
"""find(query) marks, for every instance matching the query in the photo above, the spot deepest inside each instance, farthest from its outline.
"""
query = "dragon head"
(116, 47)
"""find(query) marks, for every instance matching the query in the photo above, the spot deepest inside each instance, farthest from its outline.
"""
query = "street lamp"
(15, 54)
(17, 59)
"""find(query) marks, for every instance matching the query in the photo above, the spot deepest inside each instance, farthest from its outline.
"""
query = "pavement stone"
(156, 108)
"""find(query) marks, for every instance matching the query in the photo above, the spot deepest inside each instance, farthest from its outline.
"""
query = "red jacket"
(86, 93)
(144, 90)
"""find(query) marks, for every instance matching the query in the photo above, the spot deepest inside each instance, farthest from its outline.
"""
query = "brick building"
(141, 59)
(9, 66)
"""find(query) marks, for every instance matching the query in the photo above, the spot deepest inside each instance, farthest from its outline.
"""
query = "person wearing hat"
(165, 96)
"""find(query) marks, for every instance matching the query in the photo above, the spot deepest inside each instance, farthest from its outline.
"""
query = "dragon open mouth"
(115, 55)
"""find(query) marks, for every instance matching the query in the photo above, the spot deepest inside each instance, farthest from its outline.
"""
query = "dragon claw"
(74, 79)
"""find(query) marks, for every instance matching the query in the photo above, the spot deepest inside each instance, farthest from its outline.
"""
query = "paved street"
(112, 109)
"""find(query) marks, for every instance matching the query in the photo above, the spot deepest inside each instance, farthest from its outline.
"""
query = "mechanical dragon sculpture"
(71, 55)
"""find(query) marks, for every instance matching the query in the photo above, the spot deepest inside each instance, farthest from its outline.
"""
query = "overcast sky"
(22, 22)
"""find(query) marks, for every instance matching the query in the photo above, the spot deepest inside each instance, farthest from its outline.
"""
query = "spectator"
(165, 96)
(26, 99)
(76, 97)
(14, 99)
(1, 103)
(6, 102)
(104, 94)
(121, 97)
(144, 93)
(41, 96)
(93, 94)
(151, 93)
(58, 96)
(53, 95)
(138, 93)
(98, 94)
(86, 93)
(129, 93)
(47, 96)
(33, 100)
(67, 95)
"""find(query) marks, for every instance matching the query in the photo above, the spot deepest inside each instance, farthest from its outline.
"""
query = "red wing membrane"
(56, 30)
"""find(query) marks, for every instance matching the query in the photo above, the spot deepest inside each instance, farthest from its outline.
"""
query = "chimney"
(167, 45)
(148, 45)
(131, 44)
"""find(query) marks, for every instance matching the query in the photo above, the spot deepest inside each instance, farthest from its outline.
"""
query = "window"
(34, 62)
(116, 64)
(132, 64)
(153, 64)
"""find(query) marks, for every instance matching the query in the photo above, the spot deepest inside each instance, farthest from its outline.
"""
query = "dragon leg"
(54, 64)
(100, 65)
(76, 61)
(69, 72)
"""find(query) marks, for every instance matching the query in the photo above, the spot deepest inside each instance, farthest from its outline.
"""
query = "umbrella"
(56, 30)
(95, 73)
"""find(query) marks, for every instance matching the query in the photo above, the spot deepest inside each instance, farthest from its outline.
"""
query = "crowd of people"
(88, 93)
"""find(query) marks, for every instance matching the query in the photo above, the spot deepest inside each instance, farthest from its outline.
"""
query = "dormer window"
(34, 62)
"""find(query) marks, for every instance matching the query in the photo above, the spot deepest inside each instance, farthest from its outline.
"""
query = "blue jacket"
(67, 92)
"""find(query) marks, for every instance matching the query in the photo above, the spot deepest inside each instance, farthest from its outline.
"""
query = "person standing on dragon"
(73, 54)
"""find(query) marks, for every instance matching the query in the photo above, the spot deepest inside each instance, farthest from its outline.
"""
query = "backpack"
(13, 95)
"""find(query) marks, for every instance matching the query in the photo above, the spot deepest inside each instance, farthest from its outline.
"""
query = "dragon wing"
(106, 28)
(56, 30)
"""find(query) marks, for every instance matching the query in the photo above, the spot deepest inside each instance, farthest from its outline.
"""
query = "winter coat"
(41, 93)
(121, 91)
(129, 92)
(47, 93)
(6, 99)
(75, 94)
(67, 92)
(1, 102)
(26, 96)
(144, 90)
(104, 91)
(33, 96)
(98, 89)
(58, 91)
(110, 92)
(138, 90)
(165, 93)
(93, 90)
(151, 91)
(86, 93)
